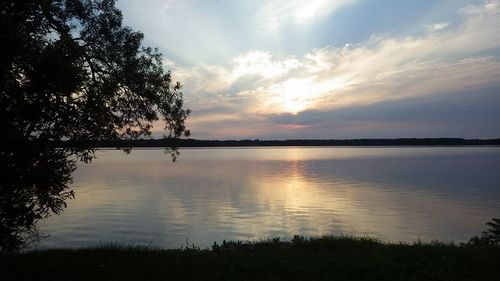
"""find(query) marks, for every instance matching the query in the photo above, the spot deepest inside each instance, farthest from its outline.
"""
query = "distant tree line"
(298, 142)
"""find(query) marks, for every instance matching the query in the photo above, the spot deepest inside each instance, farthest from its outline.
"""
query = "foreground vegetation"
(326, 258)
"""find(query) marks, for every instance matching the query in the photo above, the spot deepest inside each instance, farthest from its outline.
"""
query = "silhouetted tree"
(70, 71)
(35, 183)
(489, 237)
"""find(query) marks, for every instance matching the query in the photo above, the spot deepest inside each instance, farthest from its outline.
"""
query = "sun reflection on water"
(215, 194)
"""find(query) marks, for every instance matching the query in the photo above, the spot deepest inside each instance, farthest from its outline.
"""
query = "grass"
(325, 258)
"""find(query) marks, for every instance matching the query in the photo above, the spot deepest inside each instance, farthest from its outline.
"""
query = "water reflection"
(399, 194)
(34, 184)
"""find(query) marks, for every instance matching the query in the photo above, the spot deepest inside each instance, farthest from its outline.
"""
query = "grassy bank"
(326, 258)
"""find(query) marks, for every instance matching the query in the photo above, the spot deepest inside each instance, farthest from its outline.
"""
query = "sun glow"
(292, 96)
(296, 95)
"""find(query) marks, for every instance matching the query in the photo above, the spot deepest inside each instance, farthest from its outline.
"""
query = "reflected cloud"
(215, 194)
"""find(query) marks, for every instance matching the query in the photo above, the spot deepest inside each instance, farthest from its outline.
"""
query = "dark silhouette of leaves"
(34, 184)
(70, 72)
(489, 237)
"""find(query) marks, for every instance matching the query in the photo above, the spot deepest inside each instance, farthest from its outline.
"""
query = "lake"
(248, 194)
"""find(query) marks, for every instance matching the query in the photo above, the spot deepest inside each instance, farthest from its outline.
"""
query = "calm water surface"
(396, 194)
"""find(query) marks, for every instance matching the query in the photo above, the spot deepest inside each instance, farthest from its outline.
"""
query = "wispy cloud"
(278, 13)
(436, 26)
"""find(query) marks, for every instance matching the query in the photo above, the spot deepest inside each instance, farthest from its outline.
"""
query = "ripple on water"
(398, 194)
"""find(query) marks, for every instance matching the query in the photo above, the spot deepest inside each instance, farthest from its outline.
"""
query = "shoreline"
(188, 143)
(323, 258)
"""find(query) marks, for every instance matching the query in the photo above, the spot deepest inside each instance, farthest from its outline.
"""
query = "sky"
(322, 69)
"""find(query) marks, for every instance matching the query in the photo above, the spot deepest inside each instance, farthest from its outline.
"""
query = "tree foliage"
(491, 236)
(35, 184)
(70, 71)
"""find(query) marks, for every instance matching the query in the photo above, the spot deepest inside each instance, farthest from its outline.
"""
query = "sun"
(291, 96)
(298, 94)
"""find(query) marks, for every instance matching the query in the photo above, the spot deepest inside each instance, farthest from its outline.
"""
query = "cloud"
(382, 69)
(470, 112)
(276, 14)
(259, 63)
(436, 26)
(489, 6)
